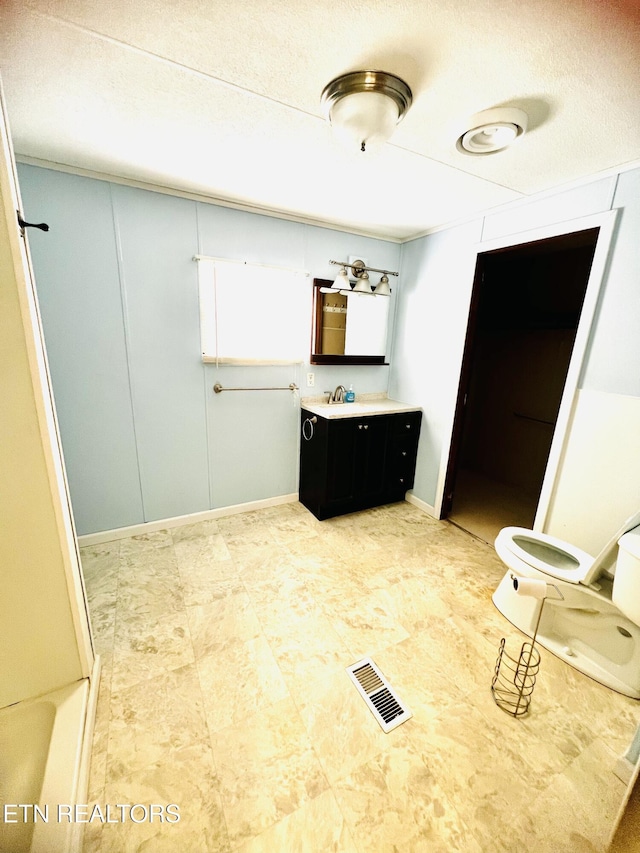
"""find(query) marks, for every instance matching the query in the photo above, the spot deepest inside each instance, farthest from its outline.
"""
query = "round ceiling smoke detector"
(493, 130)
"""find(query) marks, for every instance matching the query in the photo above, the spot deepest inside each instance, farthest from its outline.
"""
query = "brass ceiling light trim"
(368, 81)
(363, 107)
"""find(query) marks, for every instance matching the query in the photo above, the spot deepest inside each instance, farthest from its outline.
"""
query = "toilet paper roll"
(530, 586)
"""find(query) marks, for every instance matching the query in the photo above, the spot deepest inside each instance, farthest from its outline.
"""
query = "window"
(251, 313)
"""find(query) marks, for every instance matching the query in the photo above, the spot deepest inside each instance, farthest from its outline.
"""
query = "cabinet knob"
(408, 426)
(404, 452)
(359, 426)
(366, 426)
(402, 479)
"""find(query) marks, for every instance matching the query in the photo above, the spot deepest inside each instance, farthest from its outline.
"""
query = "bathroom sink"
(381, 406)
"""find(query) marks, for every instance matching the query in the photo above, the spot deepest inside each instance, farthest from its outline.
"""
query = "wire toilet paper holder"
(514, 679)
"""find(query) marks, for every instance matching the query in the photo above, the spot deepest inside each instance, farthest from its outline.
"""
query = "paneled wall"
(144, 436)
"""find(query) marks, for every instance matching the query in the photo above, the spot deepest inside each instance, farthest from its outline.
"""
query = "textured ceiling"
(223, 99)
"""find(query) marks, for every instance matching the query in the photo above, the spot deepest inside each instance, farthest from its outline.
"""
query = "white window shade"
(251, 313)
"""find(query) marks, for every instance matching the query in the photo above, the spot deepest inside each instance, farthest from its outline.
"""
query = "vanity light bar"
(361, 268)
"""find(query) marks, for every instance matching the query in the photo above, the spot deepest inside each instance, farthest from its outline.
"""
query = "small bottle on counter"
(350, 396)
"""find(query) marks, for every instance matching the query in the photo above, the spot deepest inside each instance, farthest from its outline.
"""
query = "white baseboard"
(180, 520)
(425, 507)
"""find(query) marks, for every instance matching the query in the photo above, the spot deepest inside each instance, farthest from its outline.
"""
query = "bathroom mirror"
(348, 328)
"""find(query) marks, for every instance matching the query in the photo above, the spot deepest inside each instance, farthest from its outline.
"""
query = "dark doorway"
(525, 310)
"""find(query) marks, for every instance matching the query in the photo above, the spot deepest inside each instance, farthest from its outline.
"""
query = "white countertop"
(379, 406)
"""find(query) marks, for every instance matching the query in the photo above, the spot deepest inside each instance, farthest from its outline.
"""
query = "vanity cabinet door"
(355, 462)
(370, 452)
(341, 462)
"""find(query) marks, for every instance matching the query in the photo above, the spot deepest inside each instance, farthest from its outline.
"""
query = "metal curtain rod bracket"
(362, 268)
(291, 387)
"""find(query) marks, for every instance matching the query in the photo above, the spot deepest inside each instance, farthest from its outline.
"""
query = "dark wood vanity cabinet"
(352, 463)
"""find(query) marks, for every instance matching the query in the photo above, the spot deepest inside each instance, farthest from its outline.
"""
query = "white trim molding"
(605, 221)
(181, 520)
(423, 505)
(206, 198)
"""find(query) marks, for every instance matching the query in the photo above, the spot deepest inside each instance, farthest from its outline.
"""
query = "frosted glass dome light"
(364, 107)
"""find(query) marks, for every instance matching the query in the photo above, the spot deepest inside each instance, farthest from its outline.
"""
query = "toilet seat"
(588, 625)
(543, 552)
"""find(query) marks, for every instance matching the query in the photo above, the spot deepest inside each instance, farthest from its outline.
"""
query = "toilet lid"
(609, 553)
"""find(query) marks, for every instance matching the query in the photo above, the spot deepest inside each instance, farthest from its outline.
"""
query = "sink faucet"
(338, 395)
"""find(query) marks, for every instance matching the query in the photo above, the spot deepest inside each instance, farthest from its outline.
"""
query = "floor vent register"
(378, 694)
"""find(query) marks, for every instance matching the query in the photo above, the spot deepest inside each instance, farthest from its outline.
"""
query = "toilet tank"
(626, 582)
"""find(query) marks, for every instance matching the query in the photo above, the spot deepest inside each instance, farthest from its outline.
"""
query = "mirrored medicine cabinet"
(348, 327)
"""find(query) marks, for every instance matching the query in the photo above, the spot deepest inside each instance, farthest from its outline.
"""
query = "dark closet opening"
(525, 309)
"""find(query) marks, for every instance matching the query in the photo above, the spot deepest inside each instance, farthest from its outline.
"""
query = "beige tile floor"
(484, 506)
(224, 646)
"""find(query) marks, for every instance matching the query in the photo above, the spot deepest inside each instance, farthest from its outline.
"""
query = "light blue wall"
(431, 321)
(437, 278)
(157, 241)
(143, 434)
(76, 264)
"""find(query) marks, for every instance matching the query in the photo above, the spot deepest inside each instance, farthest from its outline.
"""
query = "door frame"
(605, 222)
(24, 283)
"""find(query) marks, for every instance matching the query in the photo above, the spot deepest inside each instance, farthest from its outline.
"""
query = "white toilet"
(591, 618)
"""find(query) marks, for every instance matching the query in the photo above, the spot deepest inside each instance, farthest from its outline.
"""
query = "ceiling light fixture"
(493, 130)
(361, 273)
(364, 107)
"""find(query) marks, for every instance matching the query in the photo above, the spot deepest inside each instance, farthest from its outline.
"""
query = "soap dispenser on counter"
(350, 396)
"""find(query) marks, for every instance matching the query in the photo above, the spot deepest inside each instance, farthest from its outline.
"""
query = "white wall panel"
(615, 341)
(580, 201)
(599, 479)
